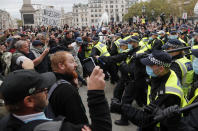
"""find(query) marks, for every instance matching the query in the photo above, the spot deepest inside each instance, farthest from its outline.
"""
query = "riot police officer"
(181, 65)
(164, 91)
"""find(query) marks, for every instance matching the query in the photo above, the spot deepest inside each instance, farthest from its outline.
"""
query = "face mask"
(121, 50)
(159, 36)
(173, 37)
(150, 72)
(130, 46)
(195, 65)
(150, 38)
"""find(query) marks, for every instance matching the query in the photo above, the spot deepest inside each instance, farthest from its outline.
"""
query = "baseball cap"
(79, 39)
(157, 58)
(21, 83)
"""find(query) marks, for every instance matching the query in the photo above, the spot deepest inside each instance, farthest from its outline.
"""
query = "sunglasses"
(40, 90)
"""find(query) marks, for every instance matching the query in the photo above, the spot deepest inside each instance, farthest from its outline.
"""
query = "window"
(92, 15)
(106, 6)
(96, 20)
(92, 20)
(111, 6)
(96, 15)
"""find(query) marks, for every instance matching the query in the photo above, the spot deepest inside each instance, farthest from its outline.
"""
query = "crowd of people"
(152, 64)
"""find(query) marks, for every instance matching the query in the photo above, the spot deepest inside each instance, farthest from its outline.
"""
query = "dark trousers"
(119, 89)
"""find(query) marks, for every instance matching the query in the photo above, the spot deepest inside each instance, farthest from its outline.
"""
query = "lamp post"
(152, 12)
(143, 9)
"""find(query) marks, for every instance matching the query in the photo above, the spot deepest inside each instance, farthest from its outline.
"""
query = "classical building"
(90, 14)
(80, 15)
(67, 19)
(6, 22)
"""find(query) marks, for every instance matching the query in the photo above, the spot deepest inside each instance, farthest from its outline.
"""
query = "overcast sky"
(13, 6)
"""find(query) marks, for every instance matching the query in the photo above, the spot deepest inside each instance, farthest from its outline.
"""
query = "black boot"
(122, 122)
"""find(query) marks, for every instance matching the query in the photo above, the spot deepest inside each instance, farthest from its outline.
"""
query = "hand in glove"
(150, 108)
(115, 106)
(167, 113)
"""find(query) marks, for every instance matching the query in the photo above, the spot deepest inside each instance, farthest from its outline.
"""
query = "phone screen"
(89, 65)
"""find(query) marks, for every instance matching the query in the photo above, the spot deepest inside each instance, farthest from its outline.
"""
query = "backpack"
(48, 110)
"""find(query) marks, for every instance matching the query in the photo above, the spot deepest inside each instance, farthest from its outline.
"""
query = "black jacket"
(66, 101)
(98, 109)
(156, 44)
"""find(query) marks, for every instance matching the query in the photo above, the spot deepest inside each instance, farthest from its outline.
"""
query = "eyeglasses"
(40, 90)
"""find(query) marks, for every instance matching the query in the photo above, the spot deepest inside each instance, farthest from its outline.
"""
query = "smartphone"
(89, 65)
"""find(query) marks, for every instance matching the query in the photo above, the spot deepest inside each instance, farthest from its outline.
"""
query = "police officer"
(115, 49)
(155, 43)
(132, 89)
(164, 91)
(99, 50)
(184, 30)
(189, 122)
(162, 36)
(181, 65)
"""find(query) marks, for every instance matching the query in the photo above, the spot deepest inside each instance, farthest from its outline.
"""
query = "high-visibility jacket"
(102, 48)
(144, 44)
(173, 87)
(194, 97)
(182, 41)
(125, 38)
(88, 51)
(117, 43)
(187, 74)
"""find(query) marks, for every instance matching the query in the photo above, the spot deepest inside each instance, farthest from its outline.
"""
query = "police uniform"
(190, 121)
(182, 67)
(100, 49)
(115, 49)
(164, 91)
(156, 43)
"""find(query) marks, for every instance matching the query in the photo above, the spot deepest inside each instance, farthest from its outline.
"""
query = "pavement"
(109, 93)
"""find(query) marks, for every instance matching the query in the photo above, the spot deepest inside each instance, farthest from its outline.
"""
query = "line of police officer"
(158, 80)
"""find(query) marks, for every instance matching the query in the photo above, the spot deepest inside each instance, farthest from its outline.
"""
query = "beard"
(72, 74)
(41, 103)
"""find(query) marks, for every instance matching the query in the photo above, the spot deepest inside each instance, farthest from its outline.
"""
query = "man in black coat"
(65, 99)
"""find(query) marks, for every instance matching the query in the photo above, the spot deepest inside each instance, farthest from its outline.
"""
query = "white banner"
(51, 17)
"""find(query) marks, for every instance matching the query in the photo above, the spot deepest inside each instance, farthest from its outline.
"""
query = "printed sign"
(51, 17)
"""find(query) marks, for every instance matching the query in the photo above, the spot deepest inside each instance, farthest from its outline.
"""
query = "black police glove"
(167, 113)
(150, 108)
(115, 106)
(131, 51)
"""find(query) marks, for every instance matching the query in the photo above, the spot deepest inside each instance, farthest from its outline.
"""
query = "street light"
(153, 12)
(143, 9)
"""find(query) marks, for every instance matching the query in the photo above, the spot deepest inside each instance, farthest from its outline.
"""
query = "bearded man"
(65, 100)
